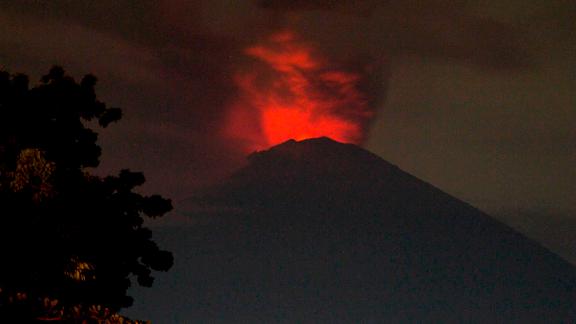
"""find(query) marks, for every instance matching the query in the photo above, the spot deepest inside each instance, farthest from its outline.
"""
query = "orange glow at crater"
(289, 92)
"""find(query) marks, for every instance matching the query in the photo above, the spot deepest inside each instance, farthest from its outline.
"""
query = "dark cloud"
(169, 64)
(442, 29)
(131, 19)
(298, 4)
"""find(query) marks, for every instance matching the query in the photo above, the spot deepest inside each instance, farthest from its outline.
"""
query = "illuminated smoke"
(288, 91)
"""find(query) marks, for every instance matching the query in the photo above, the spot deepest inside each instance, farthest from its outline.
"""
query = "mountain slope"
(322, 232)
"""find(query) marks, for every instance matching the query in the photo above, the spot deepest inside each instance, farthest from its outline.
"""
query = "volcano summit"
(322, 232)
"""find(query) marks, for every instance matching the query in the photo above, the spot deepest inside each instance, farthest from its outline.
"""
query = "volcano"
(317, 231)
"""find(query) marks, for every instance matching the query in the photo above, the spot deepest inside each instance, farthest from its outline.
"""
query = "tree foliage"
(66, 235)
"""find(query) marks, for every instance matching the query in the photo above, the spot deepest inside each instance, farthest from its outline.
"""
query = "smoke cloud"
(172, 65)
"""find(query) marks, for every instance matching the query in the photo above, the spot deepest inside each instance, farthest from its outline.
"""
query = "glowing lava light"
(290, 93)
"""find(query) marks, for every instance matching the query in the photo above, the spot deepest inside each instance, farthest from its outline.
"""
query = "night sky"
(475, 97)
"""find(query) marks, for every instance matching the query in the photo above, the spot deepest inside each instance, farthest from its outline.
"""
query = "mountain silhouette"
(318, 231)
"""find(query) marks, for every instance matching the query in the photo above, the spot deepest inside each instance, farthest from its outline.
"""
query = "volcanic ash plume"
(289, 91)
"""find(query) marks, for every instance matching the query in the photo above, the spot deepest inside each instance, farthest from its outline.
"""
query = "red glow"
(291, 93)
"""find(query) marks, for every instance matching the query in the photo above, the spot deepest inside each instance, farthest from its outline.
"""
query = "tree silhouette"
(69, 241)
